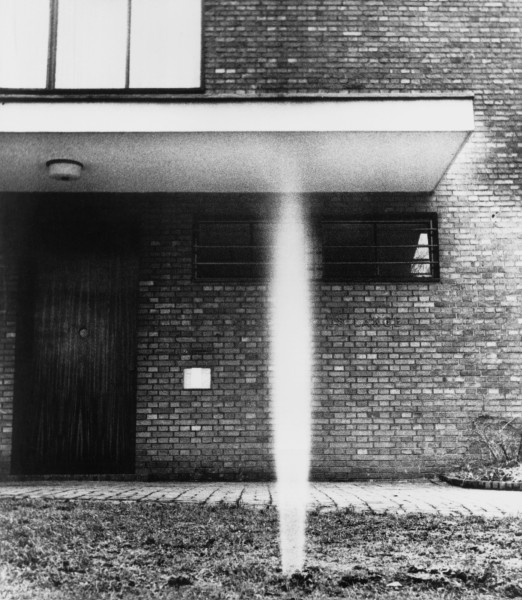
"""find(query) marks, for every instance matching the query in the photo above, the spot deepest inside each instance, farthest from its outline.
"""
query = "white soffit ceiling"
(372, 145)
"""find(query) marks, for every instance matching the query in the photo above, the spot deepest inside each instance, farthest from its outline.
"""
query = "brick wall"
(224, 431)
(362, 46)
(401, 369)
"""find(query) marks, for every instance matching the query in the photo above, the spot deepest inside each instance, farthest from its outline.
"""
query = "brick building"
(397, 122)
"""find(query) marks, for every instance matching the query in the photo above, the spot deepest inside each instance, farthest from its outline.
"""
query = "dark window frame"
(196, 247)
(318, 224)
(383, 219)
(127, 92)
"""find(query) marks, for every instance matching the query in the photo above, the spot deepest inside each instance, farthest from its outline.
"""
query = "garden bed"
(506, 476)
(59, 550)
(481, 484)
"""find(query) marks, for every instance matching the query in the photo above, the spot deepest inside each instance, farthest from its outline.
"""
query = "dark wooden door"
(75, 369)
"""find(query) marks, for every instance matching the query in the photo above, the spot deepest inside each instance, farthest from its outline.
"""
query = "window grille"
(381, 249)
(232, 250)
(376, 249)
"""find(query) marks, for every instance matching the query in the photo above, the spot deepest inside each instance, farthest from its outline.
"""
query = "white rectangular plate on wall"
(196, 379)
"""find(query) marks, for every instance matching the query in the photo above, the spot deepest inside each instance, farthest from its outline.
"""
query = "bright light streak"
(291, 365)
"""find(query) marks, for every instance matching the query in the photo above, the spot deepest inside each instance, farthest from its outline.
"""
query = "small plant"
(496, 450)
(500, 437)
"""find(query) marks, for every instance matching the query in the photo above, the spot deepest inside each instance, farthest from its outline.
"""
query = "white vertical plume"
(291, 367)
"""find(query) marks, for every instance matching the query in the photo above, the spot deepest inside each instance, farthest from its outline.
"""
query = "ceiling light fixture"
(64, 169)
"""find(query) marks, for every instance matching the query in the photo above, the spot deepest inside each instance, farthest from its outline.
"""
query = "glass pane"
(406, 272)
(348, 234)
(403, 248)
(404, 251)
(24, 40)
(242, 254)
(253, 271)
(231, 251)
(92, 44)
(224, 234)
(263, 234)
(346, 272)
(419, 267)
(400, 234)
(399, 254)
(346, 250)
(348, 255)
(165, 44)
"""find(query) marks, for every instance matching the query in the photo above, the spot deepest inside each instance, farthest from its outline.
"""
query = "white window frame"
(51, 86)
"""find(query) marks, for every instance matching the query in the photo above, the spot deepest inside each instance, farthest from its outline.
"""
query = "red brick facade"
(400, 369)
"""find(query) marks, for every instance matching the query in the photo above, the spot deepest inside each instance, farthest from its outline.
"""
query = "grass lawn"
(59, 550)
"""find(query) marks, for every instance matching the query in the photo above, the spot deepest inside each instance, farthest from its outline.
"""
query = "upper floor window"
(100, 44)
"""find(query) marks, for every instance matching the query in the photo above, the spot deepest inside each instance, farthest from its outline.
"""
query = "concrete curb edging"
(482, 484)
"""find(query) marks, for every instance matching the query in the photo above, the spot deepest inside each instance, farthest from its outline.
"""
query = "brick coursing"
(400, 369)
(7, 344)
(342, 45)
(224, 431)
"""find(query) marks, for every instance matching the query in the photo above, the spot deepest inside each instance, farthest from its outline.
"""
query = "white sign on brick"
(196, 379)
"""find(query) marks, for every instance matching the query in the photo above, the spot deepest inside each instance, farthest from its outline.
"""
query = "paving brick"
(397, 497)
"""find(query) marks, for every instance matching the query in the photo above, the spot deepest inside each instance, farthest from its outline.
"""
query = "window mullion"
(433, 241)
(53, 40)
(376, 253)
(252, 252)
(127, 62)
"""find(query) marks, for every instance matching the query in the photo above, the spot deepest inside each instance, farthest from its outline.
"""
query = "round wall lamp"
(64, 169)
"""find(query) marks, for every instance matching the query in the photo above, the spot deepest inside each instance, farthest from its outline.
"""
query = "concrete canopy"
(340, 144)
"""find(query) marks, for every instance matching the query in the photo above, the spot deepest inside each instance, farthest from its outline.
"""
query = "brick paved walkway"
(396, 497)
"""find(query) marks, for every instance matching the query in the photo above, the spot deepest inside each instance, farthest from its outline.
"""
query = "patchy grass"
(56, 550)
